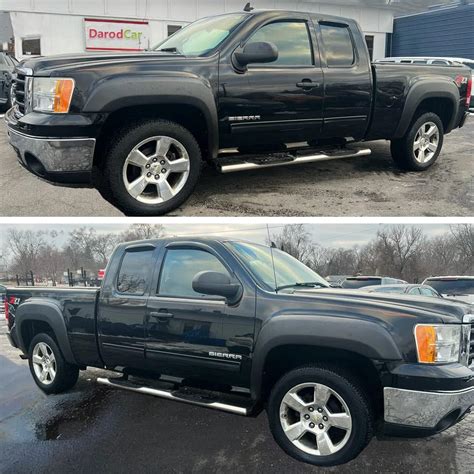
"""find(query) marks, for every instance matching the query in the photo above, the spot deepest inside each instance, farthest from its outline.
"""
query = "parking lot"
(364, 186)
(96, 429)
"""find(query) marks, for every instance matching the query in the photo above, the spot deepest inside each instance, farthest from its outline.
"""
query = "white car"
(455, 287)
(434, 60)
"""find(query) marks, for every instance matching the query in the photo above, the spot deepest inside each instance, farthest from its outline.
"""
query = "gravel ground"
(365, 186)
(96, 429)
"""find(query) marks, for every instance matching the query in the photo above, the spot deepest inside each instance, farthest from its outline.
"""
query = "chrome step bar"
(291, 160)
(170, 396)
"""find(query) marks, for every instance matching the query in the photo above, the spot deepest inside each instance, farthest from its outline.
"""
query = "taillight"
(5, 301)
(469, 92)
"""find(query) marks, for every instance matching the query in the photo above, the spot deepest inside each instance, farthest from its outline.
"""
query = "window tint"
(338, 45)
(134, 271)
(291, 39)
(181, 266)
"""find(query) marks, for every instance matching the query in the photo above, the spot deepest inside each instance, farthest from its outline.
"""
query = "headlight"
(438, 343)
(52, 94)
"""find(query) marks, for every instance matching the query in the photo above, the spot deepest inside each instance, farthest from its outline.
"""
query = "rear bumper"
(63, 160)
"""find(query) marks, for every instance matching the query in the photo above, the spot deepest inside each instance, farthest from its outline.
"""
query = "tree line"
(398, 251)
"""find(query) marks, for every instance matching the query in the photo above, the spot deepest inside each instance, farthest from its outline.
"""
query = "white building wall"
(59, 23)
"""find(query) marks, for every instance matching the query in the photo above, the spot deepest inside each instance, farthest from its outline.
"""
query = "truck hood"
(51, 65)
(428, 308)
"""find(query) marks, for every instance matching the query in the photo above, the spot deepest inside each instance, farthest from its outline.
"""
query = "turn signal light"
(426, 343)
(62, 95)
(438, 343)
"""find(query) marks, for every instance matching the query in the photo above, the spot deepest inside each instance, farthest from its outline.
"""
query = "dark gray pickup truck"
(236, 326)
(241, 91)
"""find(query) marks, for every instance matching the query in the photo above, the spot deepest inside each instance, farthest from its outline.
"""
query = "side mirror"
(259, 52)
(218, 284)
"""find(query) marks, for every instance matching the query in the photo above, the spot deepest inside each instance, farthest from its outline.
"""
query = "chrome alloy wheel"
(316, 419)
(44, 363)
(156, 170)
(426, 142)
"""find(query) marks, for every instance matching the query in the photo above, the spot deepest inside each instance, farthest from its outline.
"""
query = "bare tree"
(463, 241)
(295, 240)
(25, 246)
(143, 232)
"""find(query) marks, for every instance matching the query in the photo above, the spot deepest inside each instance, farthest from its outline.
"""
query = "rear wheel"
(421, 145)
(320, 416)
(152, 167)
(50, 370)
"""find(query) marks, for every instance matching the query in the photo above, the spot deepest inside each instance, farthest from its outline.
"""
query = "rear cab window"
(338, 44)
(134, 272)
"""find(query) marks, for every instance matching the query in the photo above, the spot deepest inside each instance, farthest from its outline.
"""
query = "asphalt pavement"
(364, 186)
(94, 428)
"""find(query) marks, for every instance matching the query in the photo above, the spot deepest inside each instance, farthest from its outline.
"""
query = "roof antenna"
(248, 8)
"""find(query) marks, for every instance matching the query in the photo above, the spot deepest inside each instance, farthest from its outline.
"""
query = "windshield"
(202, 36)
(359, 282)
(288, 270)
(452, 287)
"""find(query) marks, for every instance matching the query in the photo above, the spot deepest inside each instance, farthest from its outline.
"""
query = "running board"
(174, 395)
(252, 162)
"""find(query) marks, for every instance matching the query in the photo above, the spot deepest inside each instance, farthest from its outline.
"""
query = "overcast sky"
(328, 235)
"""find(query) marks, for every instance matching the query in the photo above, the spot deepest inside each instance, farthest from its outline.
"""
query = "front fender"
(363, 338)
(427, 88)
(117, 92)
(50, 312)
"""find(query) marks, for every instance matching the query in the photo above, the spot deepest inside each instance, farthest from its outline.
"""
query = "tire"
(404, 151)
(346, 399)
(66, 374)
(155, 173)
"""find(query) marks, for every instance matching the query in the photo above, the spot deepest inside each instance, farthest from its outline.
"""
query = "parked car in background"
(361, 281)
(7, 67)
(3, 291)
(336, 280)
(457, 287)
(433, 60)
(408, 289)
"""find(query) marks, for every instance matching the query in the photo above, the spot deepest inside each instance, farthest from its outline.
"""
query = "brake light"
(5, 301)
(469, 92)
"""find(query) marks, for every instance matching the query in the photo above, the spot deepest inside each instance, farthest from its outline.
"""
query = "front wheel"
(152, 167)
(421, 145)
(320, 416)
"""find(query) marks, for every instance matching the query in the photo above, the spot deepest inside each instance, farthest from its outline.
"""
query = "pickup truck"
(241, 91)
(237, 326)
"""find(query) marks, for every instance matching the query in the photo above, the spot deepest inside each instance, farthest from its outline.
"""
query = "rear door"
(187, 333)
(123, 305)
(347, 78)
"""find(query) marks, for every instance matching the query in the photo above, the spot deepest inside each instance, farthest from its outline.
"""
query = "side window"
(338, 45)
(180, 267)
(134, 272)
(292, 40)
(414, 291)
(427, 292)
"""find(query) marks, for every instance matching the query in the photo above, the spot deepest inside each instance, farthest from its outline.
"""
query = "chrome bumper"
(424, 409)
(56, 155)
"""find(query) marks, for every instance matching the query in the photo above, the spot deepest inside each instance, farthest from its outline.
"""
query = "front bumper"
(55, 159)
(434, 411)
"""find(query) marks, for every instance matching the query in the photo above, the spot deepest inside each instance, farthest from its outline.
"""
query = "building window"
(31, 47)
(172, 29)
(369, 39)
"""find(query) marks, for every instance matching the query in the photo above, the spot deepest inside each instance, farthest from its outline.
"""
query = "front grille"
(471, 348)
(19, 92)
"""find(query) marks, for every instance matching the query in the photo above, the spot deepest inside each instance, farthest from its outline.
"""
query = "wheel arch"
(288, 342)
(34, 316)
(441, 97)
(180, 97)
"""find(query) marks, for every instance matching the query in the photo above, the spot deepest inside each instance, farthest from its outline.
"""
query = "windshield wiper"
(310, 284)
(170, 50)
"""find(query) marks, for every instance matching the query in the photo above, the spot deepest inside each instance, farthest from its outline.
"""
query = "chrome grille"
(19, 92)
(471, 348)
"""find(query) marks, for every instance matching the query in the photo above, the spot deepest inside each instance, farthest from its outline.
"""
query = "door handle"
(161, 315)
(307, 84)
